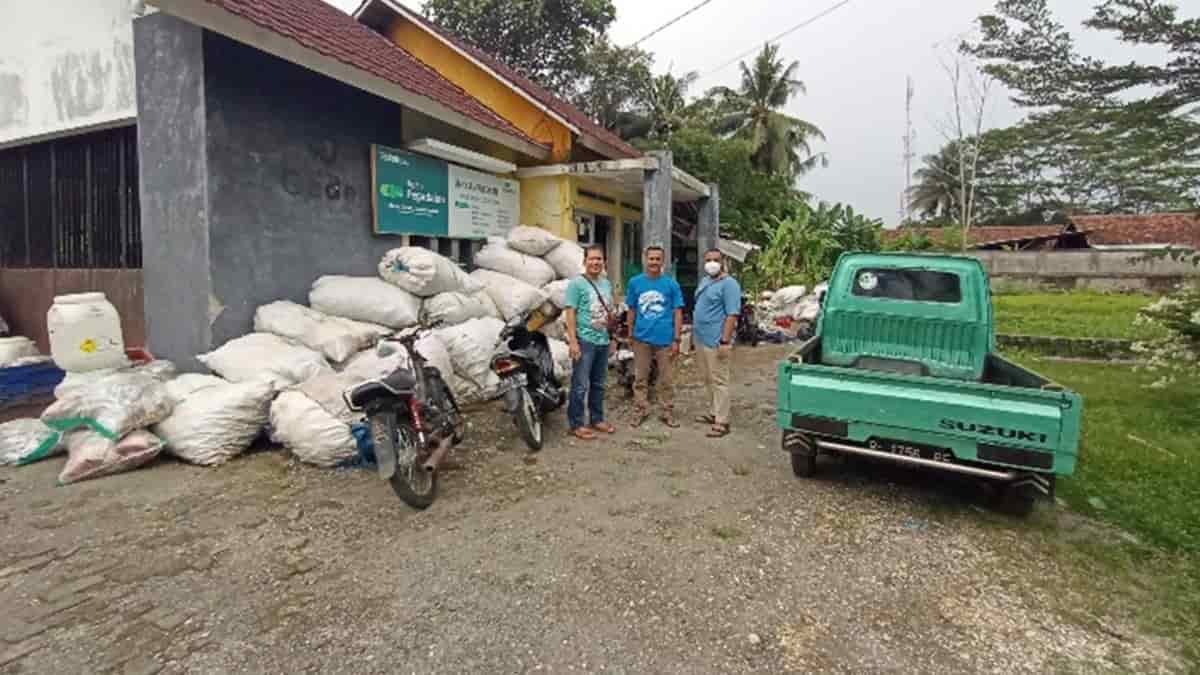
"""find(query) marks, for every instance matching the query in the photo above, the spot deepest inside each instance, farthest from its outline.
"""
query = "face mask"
(712, 268)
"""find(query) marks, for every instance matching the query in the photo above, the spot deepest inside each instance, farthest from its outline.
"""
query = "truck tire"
(803, 451)
(1017, 500)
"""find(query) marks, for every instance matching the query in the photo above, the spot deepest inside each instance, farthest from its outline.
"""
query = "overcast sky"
(854, 62)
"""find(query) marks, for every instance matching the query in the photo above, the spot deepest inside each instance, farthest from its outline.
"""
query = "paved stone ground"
(655, 551)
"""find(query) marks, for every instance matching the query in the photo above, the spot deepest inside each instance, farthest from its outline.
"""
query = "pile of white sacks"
(793, 302)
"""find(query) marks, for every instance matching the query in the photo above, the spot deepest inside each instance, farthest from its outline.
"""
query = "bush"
(1179, 352)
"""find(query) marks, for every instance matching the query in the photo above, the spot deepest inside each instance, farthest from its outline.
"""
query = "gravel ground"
(657, 551)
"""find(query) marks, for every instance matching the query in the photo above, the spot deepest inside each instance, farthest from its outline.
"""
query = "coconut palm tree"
(782, 144)
(663, 107)
(936, 192)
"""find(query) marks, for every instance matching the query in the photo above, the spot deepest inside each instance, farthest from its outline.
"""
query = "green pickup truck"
(903, 368)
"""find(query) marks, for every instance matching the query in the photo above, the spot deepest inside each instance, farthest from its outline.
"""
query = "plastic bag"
(91, 455)
(512, 296)
(160, 369)
(424, 273)
(500, 258)
(557, 292)
(262, 356)
(470, 346)
(112, 407)
(566, 259)
(337, 338)
(74, 381)
(452, 309)
(366, 299)
(27, 440)
(310, 432)
(532, 240)
(14, 348)
(216, 423)
(187, 384)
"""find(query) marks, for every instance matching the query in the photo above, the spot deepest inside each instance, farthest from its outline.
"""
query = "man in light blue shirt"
(714, 319)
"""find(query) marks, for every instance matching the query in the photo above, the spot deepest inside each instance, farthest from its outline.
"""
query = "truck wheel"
(803, 451)
(804, 465)
(1017, 500)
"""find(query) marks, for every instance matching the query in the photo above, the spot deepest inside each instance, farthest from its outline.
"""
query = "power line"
(668, 24)
(782, 35)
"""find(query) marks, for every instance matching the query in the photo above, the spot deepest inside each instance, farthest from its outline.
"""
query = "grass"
(1075, 314)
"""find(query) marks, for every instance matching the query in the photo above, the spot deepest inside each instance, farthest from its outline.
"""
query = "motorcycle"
(747, 330)
(525, 366)
(413, 418)
(623, 359)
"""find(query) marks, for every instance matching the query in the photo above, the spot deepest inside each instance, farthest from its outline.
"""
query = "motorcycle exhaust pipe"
(437, 456)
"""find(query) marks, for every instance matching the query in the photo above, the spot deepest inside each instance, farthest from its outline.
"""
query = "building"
(268, 133)
(1083, 231)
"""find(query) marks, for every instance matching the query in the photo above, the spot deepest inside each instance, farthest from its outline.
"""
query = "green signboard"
(415, 194)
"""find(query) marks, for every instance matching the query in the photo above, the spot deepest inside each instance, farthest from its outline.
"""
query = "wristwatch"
(726, 342)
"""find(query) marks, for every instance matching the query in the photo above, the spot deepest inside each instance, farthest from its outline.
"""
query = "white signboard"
(482, 205)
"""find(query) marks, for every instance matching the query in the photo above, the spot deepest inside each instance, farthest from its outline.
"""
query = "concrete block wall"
(1091, 269)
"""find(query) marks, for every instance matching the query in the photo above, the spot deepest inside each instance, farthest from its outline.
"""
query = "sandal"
(718, 430)
(584, 434)
(604, 428)
(706, 419)
(669, 421)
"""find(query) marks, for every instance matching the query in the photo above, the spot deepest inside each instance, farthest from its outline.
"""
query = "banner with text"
(415, 194)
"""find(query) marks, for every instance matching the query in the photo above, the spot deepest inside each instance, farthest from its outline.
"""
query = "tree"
(782, 144)
(664, 105)
(547, 40)
(615, 80)
(935, 194)
(964, 132)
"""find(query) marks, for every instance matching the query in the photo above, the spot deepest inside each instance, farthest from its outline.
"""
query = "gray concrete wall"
(1098, 270)
(289, 180)
(173, 187)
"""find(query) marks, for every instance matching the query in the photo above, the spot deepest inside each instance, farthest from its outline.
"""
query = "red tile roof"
(987, 234)
(575, 116)
(1182, 229)
(329, 31)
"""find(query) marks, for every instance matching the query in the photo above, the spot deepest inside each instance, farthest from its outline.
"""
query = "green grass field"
(1076, 314)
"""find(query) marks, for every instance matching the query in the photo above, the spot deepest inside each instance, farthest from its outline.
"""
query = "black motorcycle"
(414, 421)
(747, 330)
(525, 366)
(623, 359)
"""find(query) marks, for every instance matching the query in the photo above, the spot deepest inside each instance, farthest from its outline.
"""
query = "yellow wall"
(546, 203)
(500, 97)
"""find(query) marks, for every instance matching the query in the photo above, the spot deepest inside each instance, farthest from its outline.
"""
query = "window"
(914, 285)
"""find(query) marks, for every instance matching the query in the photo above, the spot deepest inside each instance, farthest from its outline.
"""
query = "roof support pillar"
(708, 223)
(656, 205)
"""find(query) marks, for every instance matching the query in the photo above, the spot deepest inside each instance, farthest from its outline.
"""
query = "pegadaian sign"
(415, 194)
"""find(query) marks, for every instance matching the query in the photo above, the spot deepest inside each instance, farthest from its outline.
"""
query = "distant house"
(1093, 231)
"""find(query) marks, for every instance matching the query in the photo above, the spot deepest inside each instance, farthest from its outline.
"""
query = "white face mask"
(712, 268)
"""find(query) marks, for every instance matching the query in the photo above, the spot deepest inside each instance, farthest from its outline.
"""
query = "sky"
(853, 61)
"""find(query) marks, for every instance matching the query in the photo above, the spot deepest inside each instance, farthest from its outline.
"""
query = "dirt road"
(654, 552)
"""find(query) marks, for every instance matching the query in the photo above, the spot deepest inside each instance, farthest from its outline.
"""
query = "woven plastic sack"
(512, 296)
(557, 292)
(310, 432)
(556, 329)
(562, 359)
(532, 240)
(366, 299)
(216, 423)
(566, 259)
(111, 407)
(180, 388)
(424, 273)
(91, 455)
(498, 257)
(74, 381)
(14, 348)
(337, 338)
(262, 356)
(160, 369)
(27, 440)
(470, 346)
(452, 309)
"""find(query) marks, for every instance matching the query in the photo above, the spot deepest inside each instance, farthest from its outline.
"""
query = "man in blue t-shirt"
(656, 320)
(718, 304)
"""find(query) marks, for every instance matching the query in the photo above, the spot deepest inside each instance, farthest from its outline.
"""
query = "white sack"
(73, 381)
(470, 346)
(512, 296)
(562, 359)
(160, 369)
(365, 299)
(262, 356)
(92, 455)
(433, 349)
(424, 273)
(452, 309)
(499, 258)
(310, 432)
(532, 240)
(337, 338)
(326, 391)
(27, 440)
(807, 309)
(786, 297)
(187, 384)
(566, 259)
(114, 406)
(556, 329)
(369, 365)
(14, 348)
(557, 292)
(216, 423)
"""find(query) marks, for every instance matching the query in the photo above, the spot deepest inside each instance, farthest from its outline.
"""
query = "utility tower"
(910, 138)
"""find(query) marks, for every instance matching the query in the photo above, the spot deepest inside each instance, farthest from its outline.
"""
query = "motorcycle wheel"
(529, 422)
(412, 484)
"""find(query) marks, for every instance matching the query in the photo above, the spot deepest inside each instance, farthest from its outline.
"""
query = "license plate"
(906, 449)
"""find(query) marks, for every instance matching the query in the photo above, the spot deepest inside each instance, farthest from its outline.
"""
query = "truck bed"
(1011, 416)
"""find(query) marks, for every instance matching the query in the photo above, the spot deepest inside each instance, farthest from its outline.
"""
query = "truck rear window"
(915, 285)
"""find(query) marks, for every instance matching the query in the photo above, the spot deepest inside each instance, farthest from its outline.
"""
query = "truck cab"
(903, 368)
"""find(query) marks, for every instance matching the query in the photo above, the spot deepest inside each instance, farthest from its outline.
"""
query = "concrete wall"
(1099, 270)
(64, 65)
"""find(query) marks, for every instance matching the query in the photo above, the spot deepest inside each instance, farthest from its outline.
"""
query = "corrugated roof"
(1180, 229)
(335, 34)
